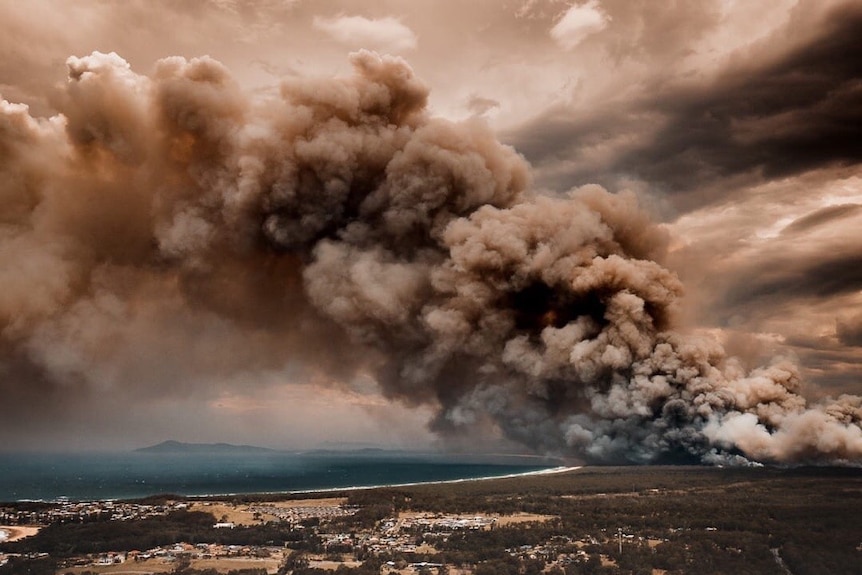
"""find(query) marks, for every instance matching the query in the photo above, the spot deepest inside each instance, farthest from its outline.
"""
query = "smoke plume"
(169, 227)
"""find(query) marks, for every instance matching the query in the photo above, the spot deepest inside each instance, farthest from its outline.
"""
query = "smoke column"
(337, 222)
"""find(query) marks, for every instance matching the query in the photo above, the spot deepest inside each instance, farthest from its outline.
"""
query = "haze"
(620, 231)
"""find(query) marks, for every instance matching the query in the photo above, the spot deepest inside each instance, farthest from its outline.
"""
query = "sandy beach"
(328, 490)
(549, 471)
(16, 532)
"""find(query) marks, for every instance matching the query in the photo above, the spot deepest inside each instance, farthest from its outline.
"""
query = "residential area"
(406, 542)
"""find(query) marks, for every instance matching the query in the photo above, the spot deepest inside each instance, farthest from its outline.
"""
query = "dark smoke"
(169, 227)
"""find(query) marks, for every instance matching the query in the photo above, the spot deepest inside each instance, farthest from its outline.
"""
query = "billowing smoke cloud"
(169, 227)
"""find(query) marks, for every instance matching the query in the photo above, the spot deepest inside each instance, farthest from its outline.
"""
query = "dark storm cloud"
(786, 117)
(821, 217)
(764, 116)
(832, 361)
(820, 277)
(850, 330)
(568, 148)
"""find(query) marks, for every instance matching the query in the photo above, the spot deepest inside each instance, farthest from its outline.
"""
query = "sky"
(734, 126)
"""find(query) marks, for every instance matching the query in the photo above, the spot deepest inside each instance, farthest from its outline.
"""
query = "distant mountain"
(174, 447)
(338, 450)
(362, 451)
(355, 446)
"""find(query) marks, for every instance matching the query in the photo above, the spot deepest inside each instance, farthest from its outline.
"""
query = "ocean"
(97, 476)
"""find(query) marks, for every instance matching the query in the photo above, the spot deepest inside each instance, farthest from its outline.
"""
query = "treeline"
(474, 546)
(22, 566)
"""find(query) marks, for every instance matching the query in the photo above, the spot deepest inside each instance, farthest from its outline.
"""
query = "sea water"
(132, 475)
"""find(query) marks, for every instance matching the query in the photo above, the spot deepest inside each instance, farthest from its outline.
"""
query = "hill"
(178, 447)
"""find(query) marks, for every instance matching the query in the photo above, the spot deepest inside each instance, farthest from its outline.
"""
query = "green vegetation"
(701, 520)
(24, 566)
(605, 520)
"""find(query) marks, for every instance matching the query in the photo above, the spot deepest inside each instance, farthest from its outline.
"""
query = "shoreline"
(322, 491)
(329, 490)
(549, 471)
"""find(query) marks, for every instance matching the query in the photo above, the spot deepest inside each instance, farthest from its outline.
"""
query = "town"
(644, 521)
(407, 539)
(64, 511)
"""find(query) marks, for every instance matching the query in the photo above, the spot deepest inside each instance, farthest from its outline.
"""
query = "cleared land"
(18, 532)
(250, 514)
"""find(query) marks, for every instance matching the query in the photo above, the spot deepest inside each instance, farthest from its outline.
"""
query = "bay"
(127, 475)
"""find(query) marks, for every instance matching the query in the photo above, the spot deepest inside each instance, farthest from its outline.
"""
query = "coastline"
(308, 491)
(549, 471)
(330, 490)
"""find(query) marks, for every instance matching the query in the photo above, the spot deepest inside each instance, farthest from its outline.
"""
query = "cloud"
(779, 261)
(578, 23)
(774, 109)
(825, 216)
(778, 249)
(850, 330)
(779, 118)
(479, 105)
(828, 275)
(359, 32)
